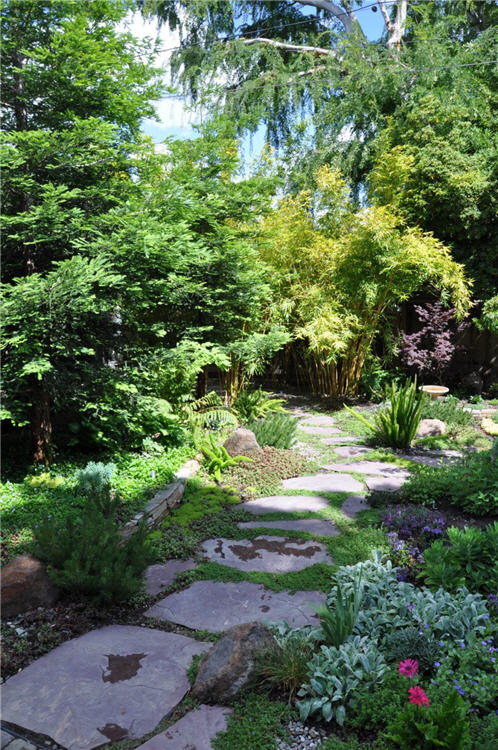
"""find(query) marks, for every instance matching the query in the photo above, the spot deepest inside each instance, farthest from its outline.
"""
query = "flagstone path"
(120, 681)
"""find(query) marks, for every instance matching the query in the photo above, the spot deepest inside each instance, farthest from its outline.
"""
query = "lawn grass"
(136, 478)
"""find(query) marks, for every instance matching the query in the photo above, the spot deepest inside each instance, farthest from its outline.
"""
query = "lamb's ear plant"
(217, 459)
(396, 423)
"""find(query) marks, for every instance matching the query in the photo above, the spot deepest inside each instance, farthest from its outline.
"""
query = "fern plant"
(251, 405)
(397, 422)
(217, 459)
(209, 411)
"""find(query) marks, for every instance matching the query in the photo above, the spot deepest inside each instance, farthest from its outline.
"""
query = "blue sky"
(175, 119)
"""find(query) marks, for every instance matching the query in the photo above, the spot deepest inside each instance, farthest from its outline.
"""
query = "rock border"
(167, 498)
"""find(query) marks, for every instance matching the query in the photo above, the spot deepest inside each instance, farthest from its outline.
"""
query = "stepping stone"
(159, 577)
(193, 732)
(311, 430)
(353, 505)
(385, 484)
(376, 468)
(324, 483)
(317, 526)
(267, 554)
(432, 460)
(340, 440)
(109, 684)
(284, 504)
(217, 606)
(321, 421)
(350, 451)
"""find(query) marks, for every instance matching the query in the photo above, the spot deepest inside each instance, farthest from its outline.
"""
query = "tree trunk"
(41, 424)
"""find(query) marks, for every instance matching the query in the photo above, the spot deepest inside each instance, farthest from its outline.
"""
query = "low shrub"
(430, 727)
(470, 484)
(276, 430)
(396, 422)
(413, 522)
(470, 558)
(87, 555)
(94, 481)
(407, 557)
(409, 643)
(449, 410)
(373, 709)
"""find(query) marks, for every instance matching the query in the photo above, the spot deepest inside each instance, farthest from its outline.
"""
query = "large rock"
(26, 585)
(229, 667)
(242, 443)
(430, 427)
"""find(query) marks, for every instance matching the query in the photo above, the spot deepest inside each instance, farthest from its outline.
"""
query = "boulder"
(430, 427)
(26, 585)
(229, 666)
(473, 383)
(242, 443)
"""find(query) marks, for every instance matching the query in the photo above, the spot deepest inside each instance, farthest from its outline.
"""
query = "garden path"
(120, 681)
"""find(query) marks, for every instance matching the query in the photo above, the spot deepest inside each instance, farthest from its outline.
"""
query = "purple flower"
(437, 663)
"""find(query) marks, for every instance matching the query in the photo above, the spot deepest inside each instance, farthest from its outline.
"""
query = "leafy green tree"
(335, 277)
(424, 91)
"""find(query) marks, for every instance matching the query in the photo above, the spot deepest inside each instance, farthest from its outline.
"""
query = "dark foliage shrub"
(470, 558)
(86, 555)
(409, 644)
(430, 350)
(276, 430)
(413, 522)
(470, 484)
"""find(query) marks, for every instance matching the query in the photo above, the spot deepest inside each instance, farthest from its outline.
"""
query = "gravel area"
(301, 737)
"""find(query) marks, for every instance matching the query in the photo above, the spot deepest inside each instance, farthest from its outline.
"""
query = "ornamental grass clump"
(396, 422)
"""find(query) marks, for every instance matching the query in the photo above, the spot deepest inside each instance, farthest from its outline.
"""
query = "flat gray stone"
(6, 738)
(217, 606)
(434, 461)
(193, 732)
(17, 743)
(109, 684)
(340, 440)
(268, 554)
(316, 526)
(159, 577)
(324, 483)
(385, 484)
(284, 504)
(375, 468)
(311, 430)
(320, 421)
(350, 451)
(353, 505)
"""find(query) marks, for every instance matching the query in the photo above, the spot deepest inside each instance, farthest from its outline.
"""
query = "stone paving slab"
(350, 451)
(284, 504)
(319, 421)
(324, 483)
(109, 684)
(353, 505)
(316, 526)
(267, 554)
(435, 461)
(385, 484)
(159, 577)
(340, 440)
(193, 732)
(375, 468)
(311, 430)
(217, 606)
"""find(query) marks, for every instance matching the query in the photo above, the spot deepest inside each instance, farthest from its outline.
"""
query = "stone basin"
(435, 391)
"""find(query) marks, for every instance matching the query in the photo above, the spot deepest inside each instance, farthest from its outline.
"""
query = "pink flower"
(408, 667)
(417, 696)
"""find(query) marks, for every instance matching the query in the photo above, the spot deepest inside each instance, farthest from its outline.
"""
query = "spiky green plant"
(396, 423)
(217, 459)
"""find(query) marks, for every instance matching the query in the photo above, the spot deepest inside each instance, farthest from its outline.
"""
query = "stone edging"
(163, 501)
